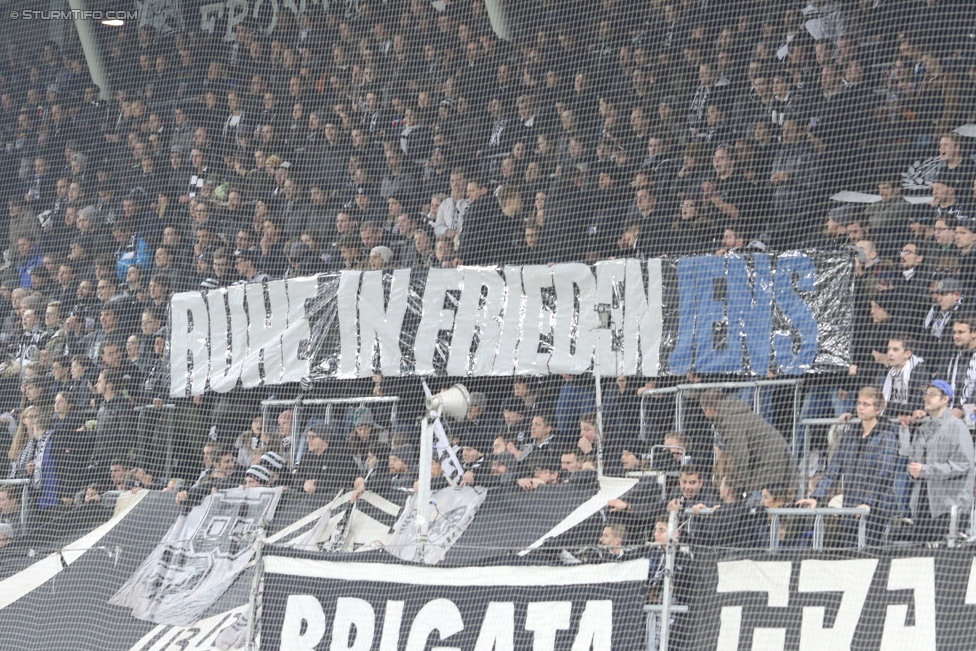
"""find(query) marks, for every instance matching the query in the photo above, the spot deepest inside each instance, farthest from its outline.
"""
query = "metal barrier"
(818, 523)
(296, 407)
(680, 389)
(756, 385)
(954, 535)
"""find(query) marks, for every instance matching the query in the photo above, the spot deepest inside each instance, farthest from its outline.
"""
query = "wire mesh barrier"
(487, 325)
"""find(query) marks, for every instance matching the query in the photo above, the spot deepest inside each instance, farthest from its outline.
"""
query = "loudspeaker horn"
(451, 402)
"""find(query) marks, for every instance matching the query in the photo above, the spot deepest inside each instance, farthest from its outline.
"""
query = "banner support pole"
(255, 588)
(668, 585)
(423, 489)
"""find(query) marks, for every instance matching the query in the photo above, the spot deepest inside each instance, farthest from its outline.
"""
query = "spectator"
(755, 453)
(327, 467)
(864, 463)
(941, 466)
(960, 370)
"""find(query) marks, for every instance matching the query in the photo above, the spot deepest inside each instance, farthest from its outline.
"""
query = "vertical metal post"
(599, 414)
(953, 524)
(669, 552)
(293, 456)
(24, 497)
(423, 489)
(679, 411)
(862, 532)
(169, 412)
(643, 418)
(818, 532)
(805, 480)
(774, 533)
(252, 616)
(756, 407)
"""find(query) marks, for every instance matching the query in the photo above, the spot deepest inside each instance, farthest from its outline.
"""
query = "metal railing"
(818, 514)
(296, 407)
(756, 385)
(681, 389)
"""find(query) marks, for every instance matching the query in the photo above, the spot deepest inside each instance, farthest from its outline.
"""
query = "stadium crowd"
(391, 135)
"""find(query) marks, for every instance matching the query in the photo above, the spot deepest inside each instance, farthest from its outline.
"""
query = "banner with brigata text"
(789, 314)
(316, 604)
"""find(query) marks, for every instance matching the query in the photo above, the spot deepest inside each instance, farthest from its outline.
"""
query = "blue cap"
(943, 386)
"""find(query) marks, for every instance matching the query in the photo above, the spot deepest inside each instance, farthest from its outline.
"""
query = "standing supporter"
(903, 387)
(941, 466)
(960, 369)
(864, 464)
(755, 454)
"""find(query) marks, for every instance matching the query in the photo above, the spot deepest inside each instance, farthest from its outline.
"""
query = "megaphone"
(451, 402)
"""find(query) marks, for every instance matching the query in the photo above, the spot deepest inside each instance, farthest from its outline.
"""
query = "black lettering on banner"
(812, 602)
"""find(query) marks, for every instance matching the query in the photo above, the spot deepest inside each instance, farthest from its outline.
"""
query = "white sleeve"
(443, 216)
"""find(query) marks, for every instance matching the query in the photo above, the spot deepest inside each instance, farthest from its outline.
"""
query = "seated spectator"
(365, 432)
(327, 467)
(223, 476)
(11, 508)
(733, 524)
(692, 489)
(545, 473)
(257, 477)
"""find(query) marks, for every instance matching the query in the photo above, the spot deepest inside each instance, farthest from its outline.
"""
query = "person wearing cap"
(502, 464)
(865, 464)
(365, 432)
(516, 424)
(380, 258)
(274, 462)
(400, 479)
(245, 261)
(327, 466)
(474, 459)
(257, 477)
(941, 465)
(478, 424)
(937, 323)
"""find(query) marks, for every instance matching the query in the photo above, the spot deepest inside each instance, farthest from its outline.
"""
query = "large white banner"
(746, 314)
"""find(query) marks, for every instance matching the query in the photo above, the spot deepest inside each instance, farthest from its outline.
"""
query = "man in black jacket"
(326, 468)
(113, 432)
(491, 226)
